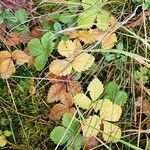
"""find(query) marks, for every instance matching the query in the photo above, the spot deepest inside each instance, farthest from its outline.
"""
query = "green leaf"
(75, 143)
(40, 62)
(21, 15)
(66, 17)
(7, 133)
(57, 26)
(87, 18)
(67, 119)
(121, 98)
(58, 133)
(35, 47)
(87, 4)
(112, 89)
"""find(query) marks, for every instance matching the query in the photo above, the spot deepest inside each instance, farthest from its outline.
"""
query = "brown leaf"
(90, 143)
(7, 67)
(20, 56)
(13, 39)
(2, 30)
(74, 88)
(36, 32)
(16, 4)
(56, 93)
(59, 110)
(146, 107)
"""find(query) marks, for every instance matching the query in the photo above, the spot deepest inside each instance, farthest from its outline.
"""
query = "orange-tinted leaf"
(86, 36)
(146, 107)
(90, 143)
(7, 68)
(4, 55)
(74, 88)
(59, 110)
(20, 56)
(56, 93)
(36, 32)
(13, 39)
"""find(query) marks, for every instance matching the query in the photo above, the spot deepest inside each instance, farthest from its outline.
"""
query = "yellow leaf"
(7, 68)
(95, 88)
(83, 62)
(86, 36)
(91, 126)
(109, 41)
(60, 67)
(110, 111)
(112, 133)
(68, 48)
(4, 55)
(97, 105)
(82, 101)
(20, 56)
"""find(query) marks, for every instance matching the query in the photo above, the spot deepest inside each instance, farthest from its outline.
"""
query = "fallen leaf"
(60, 67)
(7, 67)
(36, 32)
(83, 62)
(68, 48)
(21, 57)
(12, 39)
(59, 110)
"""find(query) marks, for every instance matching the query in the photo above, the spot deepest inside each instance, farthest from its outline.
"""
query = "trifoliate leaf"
(3, 141)
(82, 101)
(93, 11)
(41, 49)
(95, 88)
(60, 67)
(110, 111)
(60, 134)
(83, 62)
(75, 143)
(69, 122)
(91, 126)
(112, 133)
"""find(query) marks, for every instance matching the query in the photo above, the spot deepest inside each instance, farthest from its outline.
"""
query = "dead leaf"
(146, 107)
(7, 67)
(90, 143)
(63, 92)
(12, 39)
(36, 32)
(59, 110)
(20, 56)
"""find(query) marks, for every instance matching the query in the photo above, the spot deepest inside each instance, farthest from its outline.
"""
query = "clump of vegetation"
(74, 74)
